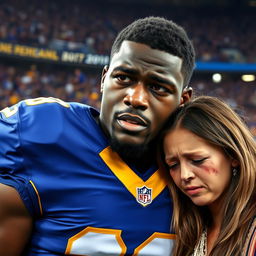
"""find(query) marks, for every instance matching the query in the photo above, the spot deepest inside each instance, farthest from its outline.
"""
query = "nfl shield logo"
(144, 195)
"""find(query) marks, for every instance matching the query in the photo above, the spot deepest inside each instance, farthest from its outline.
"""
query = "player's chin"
(129, 146)
(132, 140)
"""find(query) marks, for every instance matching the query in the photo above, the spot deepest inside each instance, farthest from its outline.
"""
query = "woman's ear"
(234, 163)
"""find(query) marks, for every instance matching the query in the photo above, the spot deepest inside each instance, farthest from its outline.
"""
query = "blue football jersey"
(84, 199)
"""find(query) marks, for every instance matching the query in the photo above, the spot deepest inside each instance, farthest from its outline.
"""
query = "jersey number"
(94, 241)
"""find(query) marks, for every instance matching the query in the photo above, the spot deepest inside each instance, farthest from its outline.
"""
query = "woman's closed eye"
(198, 161)
(172, 166)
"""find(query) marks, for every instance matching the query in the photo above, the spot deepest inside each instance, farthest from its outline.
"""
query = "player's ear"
(103, 75)
(186, 95)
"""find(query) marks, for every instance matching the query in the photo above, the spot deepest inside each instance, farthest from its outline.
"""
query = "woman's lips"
(193, 190)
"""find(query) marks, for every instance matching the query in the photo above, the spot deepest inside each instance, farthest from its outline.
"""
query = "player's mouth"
(131, 122)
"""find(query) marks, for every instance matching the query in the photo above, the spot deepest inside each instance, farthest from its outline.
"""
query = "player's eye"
(159, 89)
(122, 78)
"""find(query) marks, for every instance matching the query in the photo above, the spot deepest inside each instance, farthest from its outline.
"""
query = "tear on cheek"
(210, 170)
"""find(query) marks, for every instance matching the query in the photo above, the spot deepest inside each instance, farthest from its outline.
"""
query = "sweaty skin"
(141, 88)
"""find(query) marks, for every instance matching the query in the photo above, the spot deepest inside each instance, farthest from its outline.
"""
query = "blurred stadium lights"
(216, 78)
(248, 77)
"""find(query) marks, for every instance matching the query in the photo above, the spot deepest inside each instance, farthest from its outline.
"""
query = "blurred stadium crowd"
(218, 35)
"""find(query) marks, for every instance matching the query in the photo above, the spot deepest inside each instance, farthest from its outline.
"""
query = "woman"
(211, 158)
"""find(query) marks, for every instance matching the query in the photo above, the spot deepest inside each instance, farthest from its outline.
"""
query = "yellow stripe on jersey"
(38, 197)
(129, 178)
(43, 100)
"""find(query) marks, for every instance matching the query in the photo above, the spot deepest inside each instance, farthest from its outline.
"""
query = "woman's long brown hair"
(214, 121)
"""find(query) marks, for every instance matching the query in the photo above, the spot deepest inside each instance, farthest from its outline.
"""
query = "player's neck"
(142, 164)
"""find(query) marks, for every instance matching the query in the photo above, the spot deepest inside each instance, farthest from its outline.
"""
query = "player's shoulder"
(40, 107)
(45, 119)
(53, 105)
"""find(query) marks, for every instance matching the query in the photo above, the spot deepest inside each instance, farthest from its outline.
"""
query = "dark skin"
(16, 223)
(141, 88)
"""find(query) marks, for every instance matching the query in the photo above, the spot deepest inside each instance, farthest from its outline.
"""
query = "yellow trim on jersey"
(151, 238)
(116, 232)
(38, 197)
(9, 111)
(42, 100)
(129, 178)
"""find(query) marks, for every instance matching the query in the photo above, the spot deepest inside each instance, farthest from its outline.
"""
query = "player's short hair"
(160, 34)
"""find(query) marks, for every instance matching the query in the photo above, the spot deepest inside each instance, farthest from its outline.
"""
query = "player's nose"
(137, 96)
